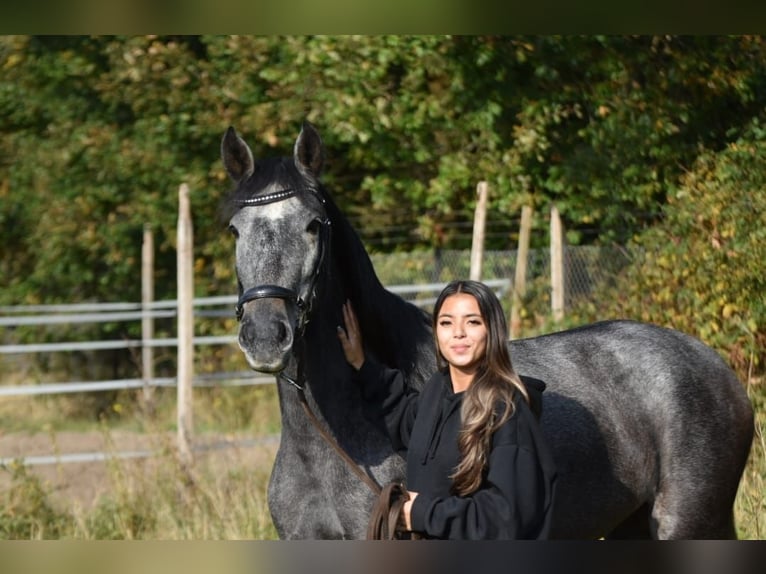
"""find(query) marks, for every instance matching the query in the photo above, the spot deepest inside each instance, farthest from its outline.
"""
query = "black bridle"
(275, 291)
(304, 308)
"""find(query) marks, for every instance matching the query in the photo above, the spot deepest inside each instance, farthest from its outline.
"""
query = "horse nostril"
(284, 334)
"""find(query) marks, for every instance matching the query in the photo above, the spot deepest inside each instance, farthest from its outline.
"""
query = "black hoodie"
(515, 499)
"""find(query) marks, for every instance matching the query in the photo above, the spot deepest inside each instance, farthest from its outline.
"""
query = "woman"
(478, 466)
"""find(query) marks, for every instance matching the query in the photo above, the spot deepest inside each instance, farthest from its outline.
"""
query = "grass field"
(223, 496)
(750, 507)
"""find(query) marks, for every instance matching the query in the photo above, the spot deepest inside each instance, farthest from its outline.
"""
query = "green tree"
(97, 133)
(608, 125)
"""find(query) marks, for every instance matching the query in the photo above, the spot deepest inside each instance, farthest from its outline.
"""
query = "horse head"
(280, 224)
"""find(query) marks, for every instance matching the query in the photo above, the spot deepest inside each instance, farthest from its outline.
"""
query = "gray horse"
(650, 428)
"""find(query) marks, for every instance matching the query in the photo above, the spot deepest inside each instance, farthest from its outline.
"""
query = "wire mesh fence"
(586, 268)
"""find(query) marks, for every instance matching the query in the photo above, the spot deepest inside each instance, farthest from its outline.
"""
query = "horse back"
(628, 405)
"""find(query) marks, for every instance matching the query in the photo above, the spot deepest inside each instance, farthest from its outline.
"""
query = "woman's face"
(461, 332)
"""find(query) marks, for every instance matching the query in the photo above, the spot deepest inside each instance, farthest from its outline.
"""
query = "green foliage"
(97, 133)
(607, 125)
(702, 268)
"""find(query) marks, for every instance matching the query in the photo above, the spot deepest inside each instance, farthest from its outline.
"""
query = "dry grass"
(750, 506)
(223, 497)
(172, 503)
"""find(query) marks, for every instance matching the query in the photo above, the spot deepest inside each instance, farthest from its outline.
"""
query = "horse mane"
(396, 331)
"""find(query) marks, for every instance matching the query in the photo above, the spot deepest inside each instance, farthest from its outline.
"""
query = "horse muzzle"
(267, 317)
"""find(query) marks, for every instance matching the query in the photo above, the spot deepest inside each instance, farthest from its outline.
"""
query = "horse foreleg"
(692, 515)
(300, 508)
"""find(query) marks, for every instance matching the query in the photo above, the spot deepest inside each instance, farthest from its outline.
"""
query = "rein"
(357, 470)
(384, 517)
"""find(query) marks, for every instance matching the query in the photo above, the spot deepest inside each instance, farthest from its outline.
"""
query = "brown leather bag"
(384, 520)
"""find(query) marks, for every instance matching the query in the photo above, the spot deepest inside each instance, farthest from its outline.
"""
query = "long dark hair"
(495, 385)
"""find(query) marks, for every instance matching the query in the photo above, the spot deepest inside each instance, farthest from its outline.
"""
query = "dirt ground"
(81, 482)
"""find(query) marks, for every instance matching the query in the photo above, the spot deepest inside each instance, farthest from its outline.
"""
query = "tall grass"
(169, 503)
(162, 500)
(222, 496)
(750, 506)
(174, 503)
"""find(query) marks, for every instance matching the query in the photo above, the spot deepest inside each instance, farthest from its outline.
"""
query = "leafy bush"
(701, 270)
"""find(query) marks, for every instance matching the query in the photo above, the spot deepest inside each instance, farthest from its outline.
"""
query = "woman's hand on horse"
(351, 337)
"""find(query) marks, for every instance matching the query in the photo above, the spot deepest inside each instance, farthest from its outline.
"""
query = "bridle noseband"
(275, 291)
(267, 292)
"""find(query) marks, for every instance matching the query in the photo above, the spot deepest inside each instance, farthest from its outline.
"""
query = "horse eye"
(234, 231)
(314, 226)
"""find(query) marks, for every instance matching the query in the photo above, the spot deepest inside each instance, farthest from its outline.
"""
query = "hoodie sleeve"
(386, 394)
(515, 500)
(535, 388)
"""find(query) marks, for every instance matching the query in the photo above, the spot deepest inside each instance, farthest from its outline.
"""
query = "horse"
(650, 429)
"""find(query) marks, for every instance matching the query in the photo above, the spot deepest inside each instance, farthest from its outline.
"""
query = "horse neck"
(396, 332)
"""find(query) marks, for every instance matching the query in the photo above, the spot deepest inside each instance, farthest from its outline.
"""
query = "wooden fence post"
(479, 225)
(147, 322)
(185, 278)
(557, 266)
(520, 279)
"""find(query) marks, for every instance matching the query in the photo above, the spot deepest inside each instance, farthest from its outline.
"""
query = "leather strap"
(357, 470)
(384, 520)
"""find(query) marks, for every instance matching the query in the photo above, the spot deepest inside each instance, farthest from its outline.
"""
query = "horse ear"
(236, 155)
(309, 150)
